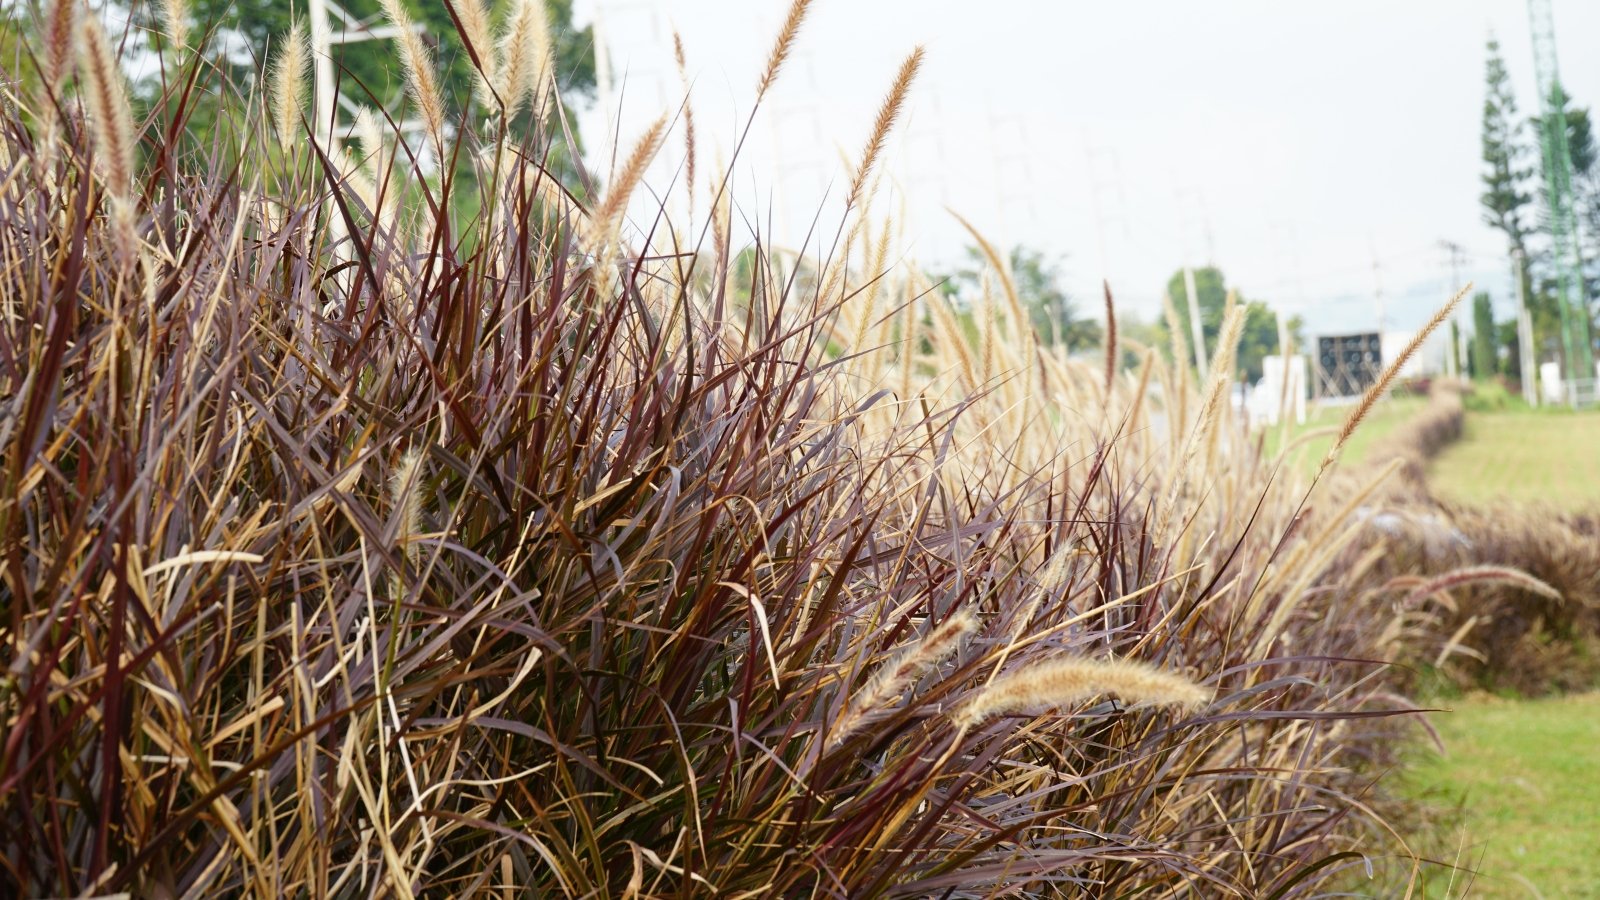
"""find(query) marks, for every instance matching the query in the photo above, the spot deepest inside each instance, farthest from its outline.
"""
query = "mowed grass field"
(1523, 457)
(1305, 457)
(1517, 796)
(1517, 791)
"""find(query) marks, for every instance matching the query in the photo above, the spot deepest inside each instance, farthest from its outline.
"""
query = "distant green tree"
(1509, 164)
(1485, 360)
(373, 66)
(1586, 190)
(1509, 342)
(1505, 152)
(1052, 312)
(1258, 340)
(1211, 295)
(247, 33)
(1542, 285)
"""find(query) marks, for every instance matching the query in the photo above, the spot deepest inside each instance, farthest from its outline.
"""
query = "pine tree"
(1505, 193)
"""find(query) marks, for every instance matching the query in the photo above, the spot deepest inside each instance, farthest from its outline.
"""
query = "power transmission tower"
(326, 98)
(1558, 195)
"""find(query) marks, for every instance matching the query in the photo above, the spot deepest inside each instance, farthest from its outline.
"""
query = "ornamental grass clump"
(354, 546)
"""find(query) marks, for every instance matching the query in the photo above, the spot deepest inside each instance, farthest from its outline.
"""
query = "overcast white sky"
(1293, 144)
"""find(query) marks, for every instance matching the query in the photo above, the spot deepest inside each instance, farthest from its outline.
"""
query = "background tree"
(1508, 170)
(258, 24)
(1052, 311)
(1484, 358)
(1586, 196)
(1543, 275)
(1506, 174)
(368, 73)
(1509, 343)
(1260, 336)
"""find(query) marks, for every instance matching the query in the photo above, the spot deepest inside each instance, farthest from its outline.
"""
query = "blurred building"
(1346, 365)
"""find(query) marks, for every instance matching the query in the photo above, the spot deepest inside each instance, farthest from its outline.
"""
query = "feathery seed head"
(885, 121)
(55, 61)
(111, 122)
(898, 673)
(1063, 682)
(605, 218)
(688, 119)
(175, 18)
(1111, 340)
(478, 36)
(406, 496)
(782, 46)
(60, 30)
(289, 83)
(420, 76)
(524, 54)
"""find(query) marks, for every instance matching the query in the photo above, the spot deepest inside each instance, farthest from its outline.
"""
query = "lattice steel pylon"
(1558, 194)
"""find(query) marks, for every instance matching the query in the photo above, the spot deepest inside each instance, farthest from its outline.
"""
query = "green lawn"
(1305, 458)
(1520, 780)
(1516, 795)
(1523, 457)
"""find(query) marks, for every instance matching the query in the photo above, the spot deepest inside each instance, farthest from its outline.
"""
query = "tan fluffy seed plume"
(1063, 682)
(111, 121)
(887, 114)
(175, 21)
(369, 136)
(478, 36)
(688, 119)
(1221, 370)
(420, 77)
(1111, 340)
(56, 50)
(1382, 385)
(541, 79)
(289, 84)
(405, 496)
(897, 674)
(525, 58)
(1480, 574)
(1212, 401)
(782, 46)
(605, 218)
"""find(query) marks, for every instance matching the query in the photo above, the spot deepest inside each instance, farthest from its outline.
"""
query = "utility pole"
(1455, 352)
(1530, 391)
(1102, 179)
(325, 92)
(1557, 160)
(1195, 328)
(1377, 287)
(322, 115)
